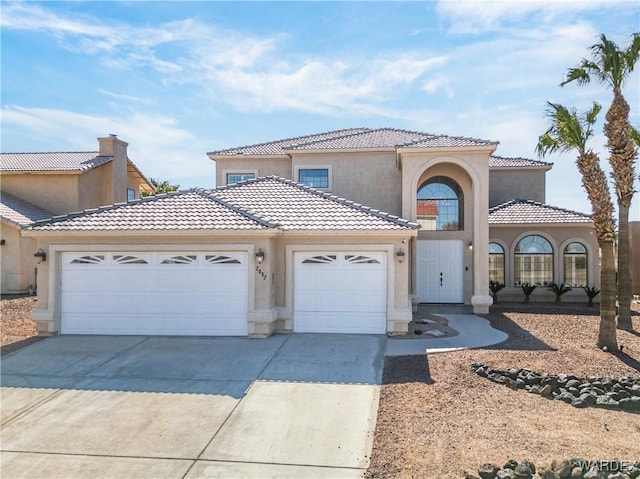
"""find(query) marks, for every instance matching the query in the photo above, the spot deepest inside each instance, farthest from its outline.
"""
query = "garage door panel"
(340, 292)
(155, 293)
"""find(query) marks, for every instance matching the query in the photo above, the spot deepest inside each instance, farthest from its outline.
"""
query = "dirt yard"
(437, 418)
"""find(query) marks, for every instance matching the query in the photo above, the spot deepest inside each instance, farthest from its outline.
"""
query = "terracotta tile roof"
(254, 204)
(531, 212)
(427, 208)
(20, 212)
(502, 162)
(46, 162)
(354, 138)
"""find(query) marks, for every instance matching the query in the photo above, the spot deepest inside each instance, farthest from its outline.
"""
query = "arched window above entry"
(440, 205)
(533, 261)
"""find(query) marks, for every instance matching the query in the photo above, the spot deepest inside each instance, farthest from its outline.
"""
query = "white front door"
(186, 293)
(340, 292)
(440, 271)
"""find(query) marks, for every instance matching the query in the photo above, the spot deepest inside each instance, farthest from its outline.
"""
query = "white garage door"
(340, 293)
(154, 293)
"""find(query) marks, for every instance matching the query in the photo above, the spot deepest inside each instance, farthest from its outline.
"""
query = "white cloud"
(477, 16)
(157, 144)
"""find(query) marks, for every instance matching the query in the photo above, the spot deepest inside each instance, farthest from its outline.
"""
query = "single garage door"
(340, 293)
(203, 293)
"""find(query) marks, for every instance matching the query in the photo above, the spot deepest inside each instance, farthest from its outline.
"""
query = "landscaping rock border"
(621, 394)
(575, 468)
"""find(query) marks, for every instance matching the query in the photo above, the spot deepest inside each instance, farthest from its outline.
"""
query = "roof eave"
(527, 167)
(401, 232)
(151, 233)
(529, 225)
(271, 156)
(490, 147)
(384, 149)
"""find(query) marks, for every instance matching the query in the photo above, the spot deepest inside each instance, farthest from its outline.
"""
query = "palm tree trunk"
(607, 332)
(622, 151)
(624, 273)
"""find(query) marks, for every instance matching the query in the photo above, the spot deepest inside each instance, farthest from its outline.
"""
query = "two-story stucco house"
(343, 231)
(36, 186)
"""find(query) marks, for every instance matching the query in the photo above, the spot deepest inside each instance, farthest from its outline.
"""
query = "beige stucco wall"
(57, 193)
(634, 237)
(258, 166)
(18, 263)
(559, 237)
(270, 283)
(506, 185)
(369, 178)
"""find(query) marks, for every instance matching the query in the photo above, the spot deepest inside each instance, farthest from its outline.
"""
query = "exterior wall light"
(3, 242)
(41, 255)
(400, 255)
(260, 256)
(470, 245)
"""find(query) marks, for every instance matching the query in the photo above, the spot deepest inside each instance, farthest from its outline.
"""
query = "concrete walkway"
(178, 407)
(475, 332)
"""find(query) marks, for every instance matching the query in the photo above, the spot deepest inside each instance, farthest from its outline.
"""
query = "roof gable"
(20, 212)
(532, 212)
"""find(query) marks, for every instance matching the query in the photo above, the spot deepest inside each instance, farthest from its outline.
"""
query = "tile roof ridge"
(252, 215)
(536, 203)
(100, 209)
(48, 152)
(274, 142)
(455, 137)
(498, 157)
(343, 201)
(363, 131)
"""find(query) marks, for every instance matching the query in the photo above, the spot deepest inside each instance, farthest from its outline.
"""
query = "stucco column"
(262, 317)
(481, 300)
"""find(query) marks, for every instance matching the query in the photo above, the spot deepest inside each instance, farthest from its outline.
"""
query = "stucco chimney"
(112, 146)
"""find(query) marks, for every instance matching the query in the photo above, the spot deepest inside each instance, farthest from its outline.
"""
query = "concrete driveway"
(301, 405)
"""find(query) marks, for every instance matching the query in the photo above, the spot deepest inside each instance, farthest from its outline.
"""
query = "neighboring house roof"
(531, 212)
(254, 204)
(19, 212)
(63, 162)
(502, 162)
(426, 208)
(354, 139)
(52, 162)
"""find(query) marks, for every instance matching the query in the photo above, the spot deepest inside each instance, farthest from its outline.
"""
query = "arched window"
(440, 205)
(575, 265)
(496, 263)
(533, 261)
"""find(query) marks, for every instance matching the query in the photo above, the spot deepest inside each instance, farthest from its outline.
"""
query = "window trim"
(504, 259)
(236, 171)
(296, 174)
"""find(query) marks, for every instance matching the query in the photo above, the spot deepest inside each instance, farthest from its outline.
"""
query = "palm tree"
(567, 132)
(160, 187)
(612, 66)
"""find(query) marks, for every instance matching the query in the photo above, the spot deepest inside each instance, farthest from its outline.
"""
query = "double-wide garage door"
(340, 293)
(191, 293)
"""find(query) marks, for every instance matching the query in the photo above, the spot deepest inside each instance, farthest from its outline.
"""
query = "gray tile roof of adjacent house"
(254, 204)
(502, 162)
(20, 212)
(531, 212)
(51, 162)
(354, 138)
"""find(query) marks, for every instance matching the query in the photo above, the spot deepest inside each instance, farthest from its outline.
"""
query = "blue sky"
(178, 79)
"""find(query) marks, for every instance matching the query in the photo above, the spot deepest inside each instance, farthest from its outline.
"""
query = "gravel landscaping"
(437, 418)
